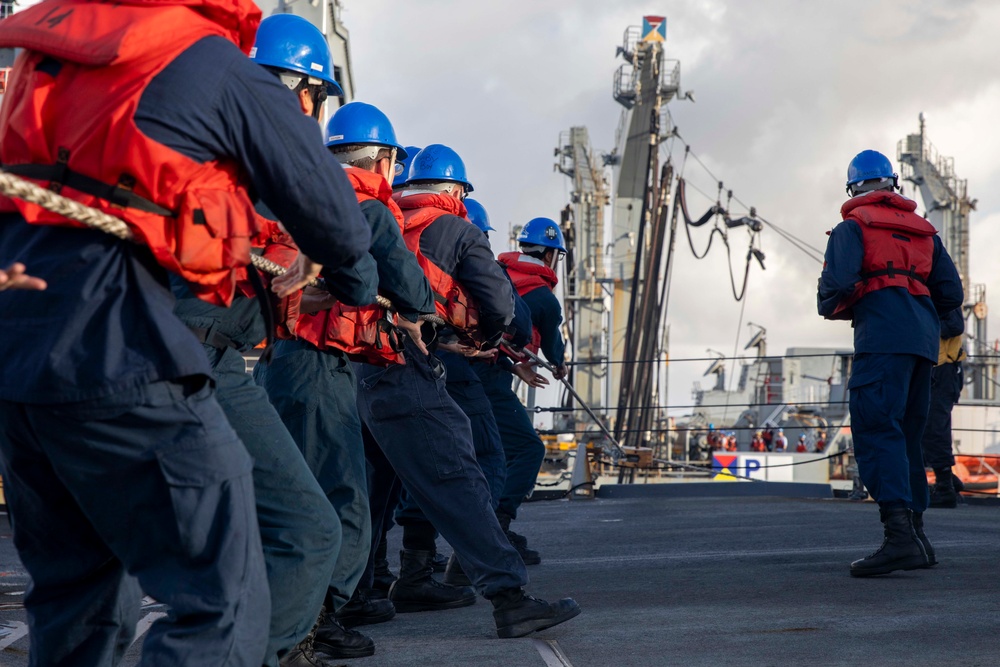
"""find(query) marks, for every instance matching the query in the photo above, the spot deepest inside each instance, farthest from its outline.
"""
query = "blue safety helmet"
(869, 165)
(477, 215)
(292, 43)
(403, 167)
(438, 163)
(544, 232)
(360, 123)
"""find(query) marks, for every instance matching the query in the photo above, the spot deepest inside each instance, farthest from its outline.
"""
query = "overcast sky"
(787, 93)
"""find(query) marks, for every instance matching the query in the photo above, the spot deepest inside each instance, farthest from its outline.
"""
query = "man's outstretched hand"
(412, 330)
(526, 372)
(14, 277)
(302, 272)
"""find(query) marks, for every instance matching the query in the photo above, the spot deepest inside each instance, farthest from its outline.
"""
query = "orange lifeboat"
(978, 473)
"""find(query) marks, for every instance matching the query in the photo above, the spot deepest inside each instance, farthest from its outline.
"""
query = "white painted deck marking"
(11, 632)
(551, 653)
(145, 623)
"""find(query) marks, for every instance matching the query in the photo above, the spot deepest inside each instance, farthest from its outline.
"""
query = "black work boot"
(900, 550)
(383, 575)
(517, 614)
(519, 542)
(333, 641)
(417, 590)
(918, 530)
(454, 575)
(304, 655)
(943, 493)
(365, 610)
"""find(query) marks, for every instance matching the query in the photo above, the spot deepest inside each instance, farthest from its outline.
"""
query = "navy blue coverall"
(118, 458)
(425, 435)
(896, 339)
(522, 446)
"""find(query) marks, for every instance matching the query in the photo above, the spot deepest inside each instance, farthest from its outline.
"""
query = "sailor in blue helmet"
(111, 431)
(466, 387)
(298, 53)
(532, 271)
(311, 381)
(300, 529)
(403, 168)
(477, 215)
(423, 432)
(887, 271)
(363, 140)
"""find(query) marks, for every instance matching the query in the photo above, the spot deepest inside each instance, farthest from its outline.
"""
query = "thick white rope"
(19, 188)
(13, 186)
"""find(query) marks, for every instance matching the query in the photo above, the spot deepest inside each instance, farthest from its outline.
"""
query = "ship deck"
(669, 576)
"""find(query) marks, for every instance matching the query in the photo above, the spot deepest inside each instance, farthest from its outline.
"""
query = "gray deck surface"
(703, 581)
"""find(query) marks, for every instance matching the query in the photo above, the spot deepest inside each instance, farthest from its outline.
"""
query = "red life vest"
(72, 129)
(365, 333)
(898, 246)
(452, 302)
(527, 276)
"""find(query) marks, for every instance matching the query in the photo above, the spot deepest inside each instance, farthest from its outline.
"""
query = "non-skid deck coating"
(704, 581)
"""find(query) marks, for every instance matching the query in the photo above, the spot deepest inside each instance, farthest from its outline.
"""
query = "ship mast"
(947, 205)
(615, 273)
(642, 85)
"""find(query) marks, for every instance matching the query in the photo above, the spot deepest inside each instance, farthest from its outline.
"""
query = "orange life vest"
(452, 302)
(528, 276)
(71, 128)
(898, 246)
(365, 333)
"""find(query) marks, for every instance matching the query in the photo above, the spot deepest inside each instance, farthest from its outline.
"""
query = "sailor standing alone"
(887, 271)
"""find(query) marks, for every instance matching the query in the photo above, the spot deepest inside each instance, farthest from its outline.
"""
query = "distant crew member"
(757, 442)
(946, 388)
(801, 447)
(780, 441)
(887, 271)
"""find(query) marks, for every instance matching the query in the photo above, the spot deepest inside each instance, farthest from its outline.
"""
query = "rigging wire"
(849, 353)
(811, 251)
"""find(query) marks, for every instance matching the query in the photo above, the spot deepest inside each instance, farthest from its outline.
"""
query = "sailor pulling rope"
(13, 186)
